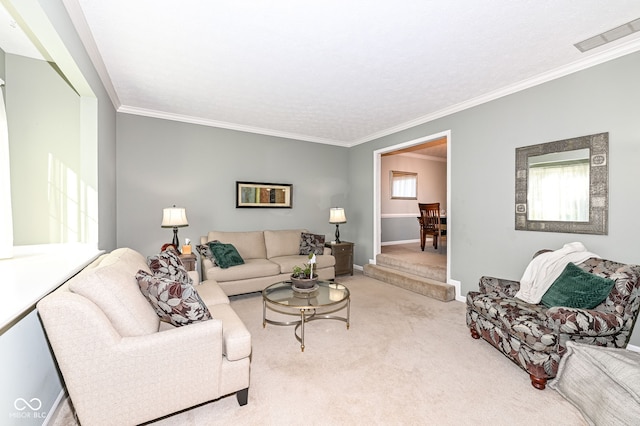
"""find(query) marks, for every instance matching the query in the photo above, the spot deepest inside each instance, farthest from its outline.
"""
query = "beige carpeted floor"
(411, 253)
(406, 360)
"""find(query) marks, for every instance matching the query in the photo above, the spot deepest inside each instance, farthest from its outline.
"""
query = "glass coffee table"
(310, 305)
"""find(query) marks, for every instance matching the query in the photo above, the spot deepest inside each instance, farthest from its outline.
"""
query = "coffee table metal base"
(304, 318)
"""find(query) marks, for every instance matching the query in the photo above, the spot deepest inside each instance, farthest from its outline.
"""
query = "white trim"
(80, 23)
(459, 296)
(395, 243)
(377, 155)
(398, 215)
(225, 125)
(53, 411)
(633, 348)
(582, 64)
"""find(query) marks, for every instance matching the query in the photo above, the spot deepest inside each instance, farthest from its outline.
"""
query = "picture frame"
(264, 195)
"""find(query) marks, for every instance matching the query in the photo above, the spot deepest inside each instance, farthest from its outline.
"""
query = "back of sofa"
(109, 282)
(250, 244)
(283, 242)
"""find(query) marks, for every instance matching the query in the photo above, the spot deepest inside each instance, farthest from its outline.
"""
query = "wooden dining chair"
(430, 223)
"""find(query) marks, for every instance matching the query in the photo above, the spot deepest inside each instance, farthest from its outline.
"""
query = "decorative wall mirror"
(563, 186)
(404, 185)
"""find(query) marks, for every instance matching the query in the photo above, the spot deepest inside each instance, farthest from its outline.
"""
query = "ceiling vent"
(609, 36)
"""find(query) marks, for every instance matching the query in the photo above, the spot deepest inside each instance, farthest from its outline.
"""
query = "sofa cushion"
(282, 242)
(603, 383)
(226, 255)
(167, 264)
(522, 320)
(288, 262)
(249, 244)
(311, 243)
(252, 268)
(576, 288)
(112, 286)
(174, 301)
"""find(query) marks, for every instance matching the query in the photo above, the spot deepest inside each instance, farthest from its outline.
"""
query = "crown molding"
(582, 64)
(224, 125)
(81, 26)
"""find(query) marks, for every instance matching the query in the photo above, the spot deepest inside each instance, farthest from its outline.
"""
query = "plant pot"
(304, 283)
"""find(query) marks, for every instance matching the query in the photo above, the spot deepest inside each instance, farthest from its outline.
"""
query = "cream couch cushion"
(252, 268)
(113, 287)
(282, 243)
(288, 262)
(250, 245)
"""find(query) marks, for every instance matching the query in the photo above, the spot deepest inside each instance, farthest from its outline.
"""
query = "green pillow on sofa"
(226, 255)
(577, 288)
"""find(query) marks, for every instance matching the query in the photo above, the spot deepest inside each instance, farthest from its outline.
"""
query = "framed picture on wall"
(263, 195)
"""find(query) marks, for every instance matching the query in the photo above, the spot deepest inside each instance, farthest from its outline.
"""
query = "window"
(404, 185)
(559, 191)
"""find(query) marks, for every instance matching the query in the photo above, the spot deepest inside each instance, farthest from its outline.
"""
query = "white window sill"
(34, 272)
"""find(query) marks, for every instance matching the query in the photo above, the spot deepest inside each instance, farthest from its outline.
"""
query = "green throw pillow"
(577, 288)
(225, 254)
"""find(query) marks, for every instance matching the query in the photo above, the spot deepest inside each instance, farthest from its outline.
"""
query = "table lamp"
(174, 217)
(336, 215)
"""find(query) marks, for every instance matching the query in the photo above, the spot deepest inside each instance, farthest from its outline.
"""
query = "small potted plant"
(303, 277)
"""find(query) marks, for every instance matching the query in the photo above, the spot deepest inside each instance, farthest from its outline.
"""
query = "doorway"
(410, 146)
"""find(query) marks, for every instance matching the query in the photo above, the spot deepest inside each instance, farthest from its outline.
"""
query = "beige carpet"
(406, 360)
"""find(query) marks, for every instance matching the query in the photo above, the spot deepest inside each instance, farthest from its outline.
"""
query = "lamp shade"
(336, 215)
(174, 217)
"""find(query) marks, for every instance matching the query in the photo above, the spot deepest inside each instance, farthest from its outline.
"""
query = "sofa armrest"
(195, 276)
(583, 322)
(504, 288)
(110, 377)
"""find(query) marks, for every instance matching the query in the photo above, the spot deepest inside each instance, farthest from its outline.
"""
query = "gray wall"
(161, 163)
(27, 367)
(43, 115)
(481, 231)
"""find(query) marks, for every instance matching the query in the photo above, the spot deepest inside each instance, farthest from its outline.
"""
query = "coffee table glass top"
(327, 293)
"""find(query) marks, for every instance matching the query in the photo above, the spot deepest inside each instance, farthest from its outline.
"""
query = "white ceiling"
(338, 72)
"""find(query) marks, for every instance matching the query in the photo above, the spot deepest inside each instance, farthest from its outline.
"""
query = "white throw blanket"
(543, 270)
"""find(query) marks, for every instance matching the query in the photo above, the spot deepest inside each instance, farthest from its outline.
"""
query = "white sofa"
(121, 365)
(269, 258)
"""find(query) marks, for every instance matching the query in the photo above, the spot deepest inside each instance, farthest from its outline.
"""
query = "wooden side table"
(189, 261)
(343, 252)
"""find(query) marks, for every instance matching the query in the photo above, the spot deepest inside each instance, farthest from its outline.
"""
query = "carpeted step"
(425, 286)
(432, 271)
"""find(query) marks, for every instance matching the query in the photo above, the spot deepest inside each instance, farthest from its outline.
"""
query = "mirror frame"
(598, 223)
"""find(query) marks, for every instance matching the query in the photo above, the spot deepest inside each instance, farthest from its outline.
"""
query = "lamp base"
(176, 242)
(337, 234)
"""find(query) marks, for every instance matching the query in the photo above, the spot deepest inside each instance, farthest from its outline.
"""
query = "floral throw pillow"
(174, 302)
(168, 265)
(311, 243)
(205, 252)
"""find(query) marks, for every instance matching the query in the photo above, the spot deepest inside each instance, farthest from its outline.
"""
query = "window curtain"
(559, 192)
(6, 219)
(404, 186)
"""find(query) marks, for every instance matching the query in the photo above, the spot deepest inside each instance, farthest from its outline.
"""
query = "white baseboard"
(394, 243)
(633, 348)
(456, 284)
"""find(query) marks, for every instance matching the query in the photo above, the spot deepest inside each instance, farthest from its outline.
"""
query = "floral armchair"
(535, 337)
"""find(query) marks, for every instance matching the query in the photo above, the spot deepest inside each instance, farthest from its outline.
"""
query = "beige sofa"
(121, 365)
(269, 258)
